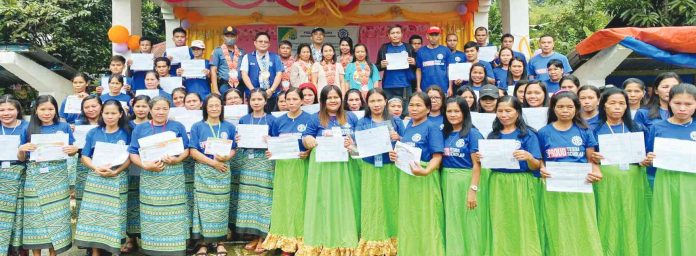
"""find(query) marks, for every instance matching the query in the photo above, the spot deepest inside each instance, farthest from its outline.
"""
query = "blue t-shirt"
(174, 67)
(666, 129)
(394, 125)
(286, 126)
(121, 97)
(147, 129)
(489, 69)
(426, 136)
(643, 118)
(537, 65)
(529, 143)
(69, 117)
(433, 66)
(99, 134)
(593, 122)
(218, 59)
(457, 57)
(315, 129)
(458, 149)
(515, 54)
(201, 131)
(565, 146)
(200, 85)
(138, 80)
(266, 119)
(437, 120)
(166, 95)
(354, 81)
(397, 78)
(500, 77)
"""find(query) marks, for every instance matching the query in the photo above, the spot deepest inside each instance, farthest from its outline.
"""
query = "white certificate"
(459, 71)
(179, 54)
(498, 154)
(568, 177)
(73, 105)
(331, 149)
(278, 113)
(536, 117)
(396, 61)
(675, 155)
(235, 112)
(215, 146)
(188, 117)
(149, 92)
(311, 109)
(105, 84)
(109, 154)
(193, 68)
(622, 148)
(284, 147)
(156, 138)
(252, 135)
(168, 84)
(10, 147)
(511, 90)
(483, 122)
(373, 141)
(359, 114)
(49, 147)
(487, 53)
(157, 151)
(405, 155)
(80, 134)
(142, 61)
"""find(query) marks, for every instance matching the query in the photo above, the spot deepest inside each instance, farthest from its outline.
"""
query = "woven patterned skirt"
(189, 166)
(163, 211)
(133, 220)
(101, 222)
(255, 192)
(80, 178)
(211, 203)
(10, 214)
(46, 221)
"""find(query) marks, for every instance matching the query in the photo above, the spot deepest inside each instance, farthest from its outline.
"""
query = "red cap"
(434, 30)
(310, 86)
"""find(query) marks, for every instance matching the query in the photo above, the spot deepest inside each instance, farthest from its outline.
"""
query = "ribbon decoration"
(309, 8)
(232, 4)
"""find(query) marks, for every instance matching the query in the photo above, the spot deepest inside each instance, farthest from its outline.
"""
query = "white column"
(595, 70)
(37, 76)
(481, 15)
(127, 13)
(515, 15)
(170, 23)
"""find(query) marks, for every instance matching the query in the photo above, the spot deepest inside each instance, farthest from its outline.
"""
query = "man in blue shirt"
(481, 37)
(431, 62)
(179, 38)
(224, 59)
(139, 75)
(456, 57)
(537, 65)
(507, 41)
(262, 69)
(396, 82)
(471, 50)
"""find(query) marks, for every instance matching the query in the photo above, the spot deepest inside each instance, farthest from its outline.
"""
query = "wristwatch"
(474, 188)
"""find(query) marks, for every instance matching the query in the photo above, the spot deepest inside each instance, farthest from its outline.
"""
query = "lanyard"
(164, 127)
(260, 118)
(612, 130)
(106, 135)
(13, 129)
(215, 135)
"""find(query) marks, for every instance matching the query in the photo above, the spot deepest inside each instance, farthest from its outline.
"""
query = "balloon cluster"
(122, 40)
(187, 17)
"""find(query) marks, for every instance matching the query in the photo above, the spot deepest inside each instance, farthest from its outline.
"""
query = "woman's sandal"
(128, 247)
(251, 245)
(202, 250)
(219, 252)
(259, 247)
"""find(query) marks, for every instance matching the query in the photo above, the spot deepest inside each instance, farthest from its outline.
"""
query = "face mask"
(230, 42)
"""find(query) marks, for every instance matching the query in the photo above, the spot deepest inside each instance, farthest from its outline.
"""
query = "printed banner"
(299, 34)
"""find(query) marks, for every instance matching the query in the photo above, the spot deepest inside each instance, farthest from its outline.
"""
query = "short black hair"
(285, 42)
(259, 34)
(179, 30)
(165, 59)
(414, 37)
(471, 44)
(118, 58)
(506, 35)
(143, 39)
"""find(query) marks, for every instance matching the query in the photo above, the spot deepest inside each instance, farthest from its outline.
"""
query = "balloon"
(180, 12)
(194, 17)
(185, 24)
(134, 42)
(121, 48)
(118, 34)
(462, 9)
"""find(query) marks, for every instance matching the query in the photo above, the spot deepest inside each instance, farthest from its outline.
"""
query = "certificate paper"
(186, 117)
(214, 146)
(157, 151)
(109, 154)
(80, 134)
(168, 84)
(10, 147)
(49, 147)
(193, 68)
(235, 112)
(498, 154)
(405, 155)
(331, 149)
(374, 141)
(142, 61)
(536, 117)
(359, 114)
(675, 155)
(311, 109)
(149, 92)
(487, 53)
(622, 148)
(179, 54)
(73, 105)
(568, 177)
(396, 61)
(459, 71)
(252, 135)
(284, 147)
(483, 122)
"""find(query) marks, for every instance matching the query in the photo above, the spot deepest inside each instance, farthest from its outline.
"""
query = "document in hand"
(168, 84)
(536, 117)
(179, 54)
(155, 147)
(568, 177)
(109, 154)
(397, 61)
(216, 146)
(193, 68)
(459, 71)
(49, 147)
(622, 148)
(498, 154)
(405, 155)
(373, 141)
(252, 135)
(142, 61)
(73, 105)
(10, 144)
(284, 147)
(675, 155)
(235, 112)
(331, 149)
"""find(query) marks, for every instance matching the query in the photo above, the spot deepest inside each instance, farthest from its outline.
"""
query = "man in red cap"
(224, 63)
(431, 62)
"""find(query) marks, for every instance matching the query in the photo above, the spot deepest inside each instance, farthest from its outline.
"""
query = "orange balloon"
(194, 17)
(180, 12)
(134, 42)
(118, 34)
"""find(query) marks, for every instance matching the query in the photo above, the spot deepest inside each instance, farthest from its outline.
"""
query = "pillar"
(127, 13)
(515, 16)
(595, 70)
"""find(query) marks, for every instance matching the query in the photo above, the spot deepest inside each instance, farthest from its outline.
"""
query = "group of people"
(447, 203)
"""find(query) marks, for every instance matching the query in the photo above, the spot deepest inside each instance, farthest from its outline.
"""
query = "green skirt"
(287, 212)
(331, 224)
(163, 211)
(570, 224)
(46, 221)
(623, 211)
(464, 227)
(101, 222)
(514, 214)
(421, 215)
(379, 209)
(255, 195)
(10, 214)
(133, 220)
(211, 203)
(674, 213)
(189, 166)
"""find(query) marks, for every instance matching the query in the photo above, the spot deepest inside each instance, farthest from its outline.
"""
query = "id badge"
(378, 161)
(5, 165)
(624, 167)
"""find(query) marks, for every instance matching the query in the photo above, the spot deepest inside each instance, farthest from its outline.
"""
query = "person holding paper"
(179, 38)
(328, 71)
(139, 75)
(657, 107)
(379, 192)
(289, 180)
(334, 205)
(568, 139)
(471, 50)
(622, 187)
(200, 85)
(589, 100)
(361, 74)
(537, 64)
(224, 63)
(164, 228)
(141, 115)
(79, 83)
(489, 97)
(535, 95)
(555, 71)
(431, 63)
(162, 66)
(91, 111)
(13, 129)
(301, 70)
(456, 57)
(192, 102)
(105, 186)
(213, 178)
(634, 87)
(115, 86)
(517, 71)
(507, 40)
(515, 221)
(262, 69)
(47, 185)
(178, 96)
(672, 212)
(437, 97)
(117, 65)
(396, 82)
(461, 176)
(477, 77)
(152, 83)
(500, 72)
(255, 191)
(421, 195)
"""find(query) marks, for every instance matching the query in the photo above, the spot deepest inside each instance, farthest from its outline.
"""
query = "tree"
(652, 13)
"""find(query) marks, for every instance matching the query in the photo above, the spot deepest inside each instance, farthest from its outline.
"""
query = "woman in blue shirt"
(566, 138)
(589, 102)
(500, 72)
(79, 83)
(46, 220)
(333, 200)
(115, 85)
(141, 114)
(437, 97)
(212, 175)
(163, 210)
(657, 107)
(535, 95)
(673, 210)
(91, 111)
(515, 221)
(623, 195)
(289, 180)
(460, 183)
(421, 215)
(101, 221)
(152, 83)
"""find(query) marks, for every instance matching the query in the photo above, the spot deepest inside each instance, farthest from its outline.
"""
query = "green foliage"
(649, 13)
(569, 22)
